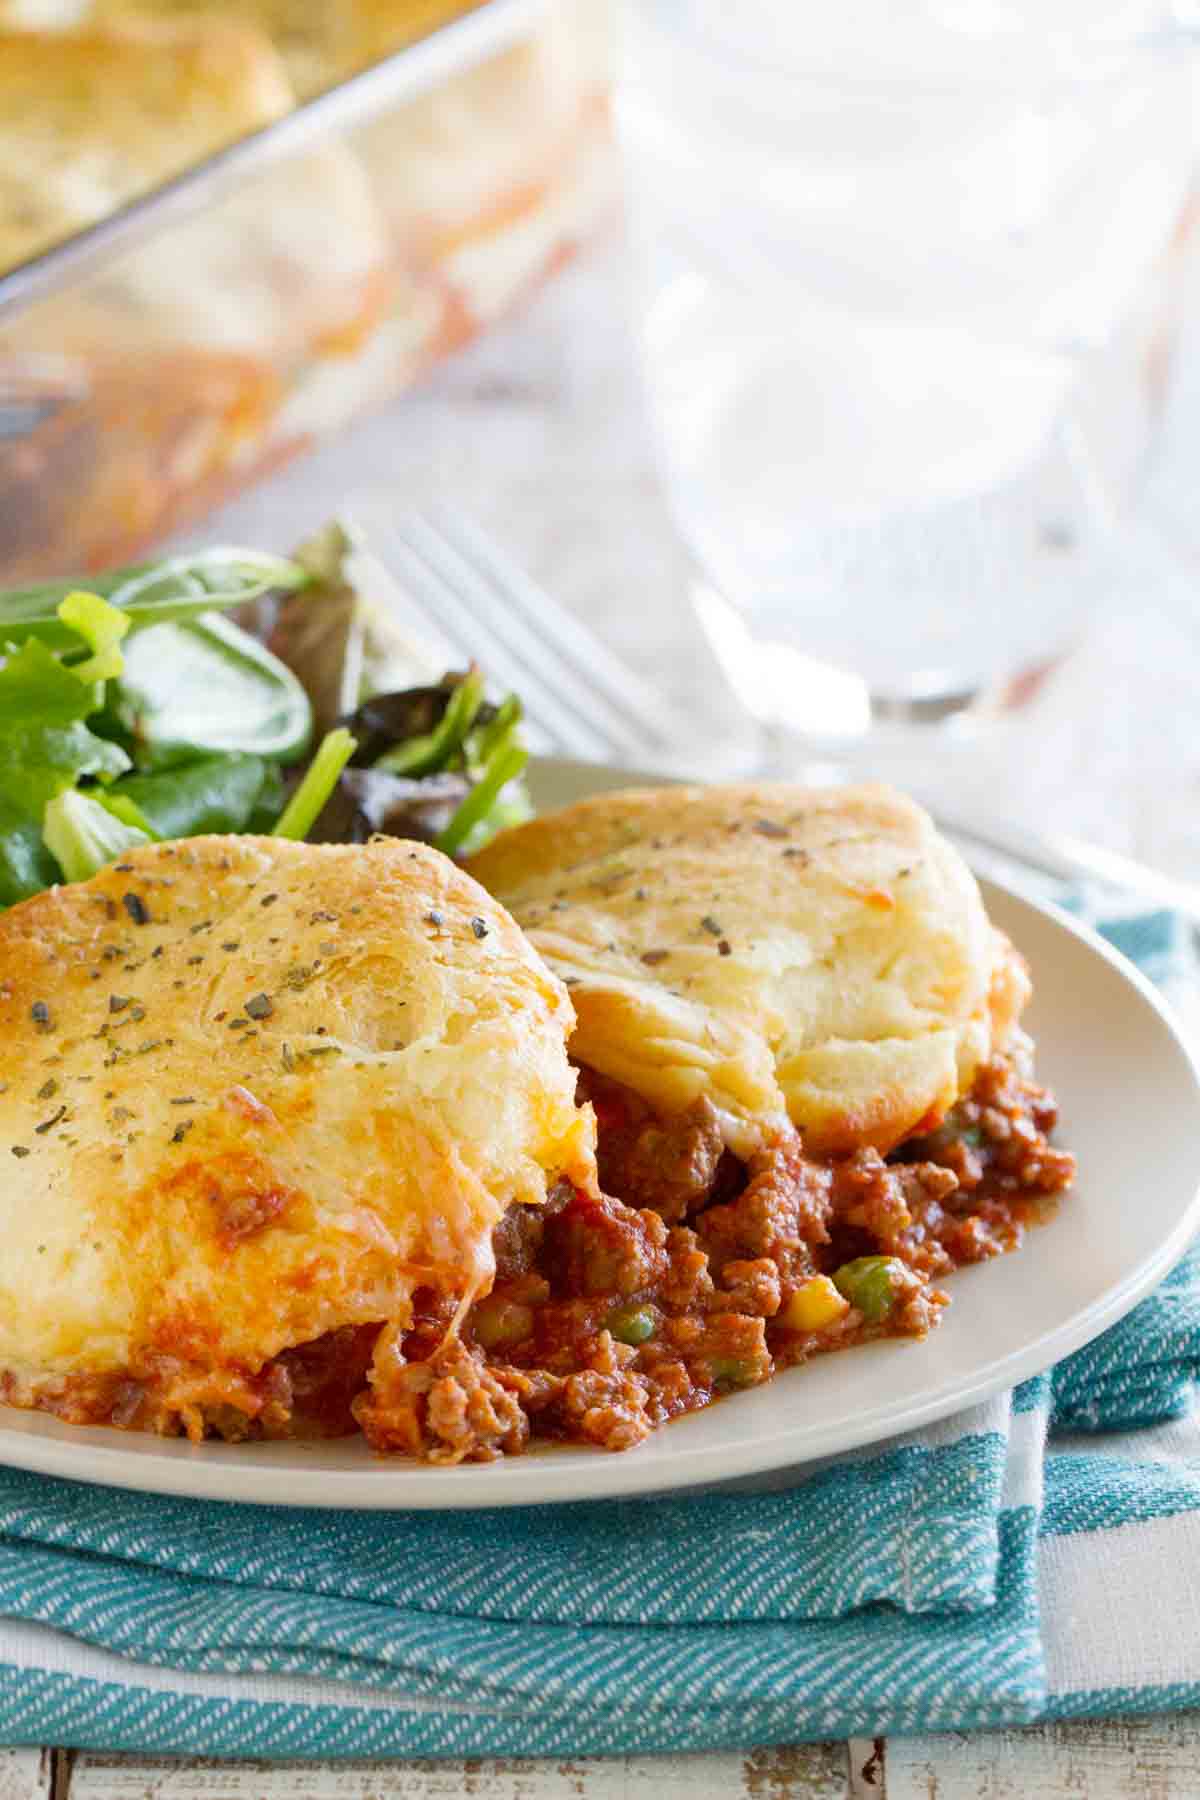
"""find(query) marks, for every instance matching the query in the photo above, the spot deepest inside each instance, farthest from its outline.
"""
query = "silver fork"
(464, 600)
(459, 598)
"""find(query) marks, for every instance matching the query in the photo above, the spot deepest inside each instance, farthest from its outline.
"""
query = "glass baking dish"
(172, 352)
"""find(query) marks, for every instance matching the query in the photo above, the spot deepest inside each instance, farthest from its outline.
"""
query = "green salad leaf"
(215, 793)
(45, 746)
(101, 627)
(496, 756)
(26, 866)
(82, 835)
(436, 749)
(122, 807)
(199, 711)
(449, 732)
(272, 798)
(38, 690)
(300, 813)
(177, 587)
(478, 809)
(40, 761)
(189, 689)
(342, 634)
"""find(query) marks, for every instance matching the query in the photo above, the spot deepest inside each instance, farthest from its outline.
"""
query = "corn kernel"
(814, 1305)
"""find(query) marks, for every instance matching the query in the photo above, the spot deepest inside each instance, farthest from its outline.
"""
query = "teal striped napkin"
(1019, 1562)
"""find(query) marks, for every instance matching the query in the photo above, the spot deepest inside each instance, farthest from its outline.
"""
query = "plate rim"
(190, 1472)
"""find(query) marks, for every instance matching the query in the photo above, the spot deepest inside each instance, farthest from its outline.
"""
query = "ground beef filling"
(697, 1275)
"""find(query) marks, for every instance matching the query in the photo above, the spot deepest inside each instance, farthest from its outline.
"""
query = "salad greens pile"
(438, 762)
(134, 708)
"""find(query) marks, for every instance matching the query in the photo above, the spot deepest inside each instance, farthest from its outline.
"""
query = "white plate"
(1130, 1099)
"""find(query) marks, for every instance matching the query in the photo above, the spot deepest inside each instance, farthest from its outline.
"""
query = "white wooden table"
(1095, 1760)
(539, 432)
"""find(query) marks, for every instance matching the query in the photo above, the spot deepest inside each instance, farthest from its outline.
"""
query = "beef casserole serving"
(799, 1033)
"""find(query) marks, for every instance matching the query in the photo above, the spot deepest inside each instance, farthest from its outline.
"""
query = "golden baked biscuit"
(257, 1092)
(818, 953)
(91, 118)
(321, 41)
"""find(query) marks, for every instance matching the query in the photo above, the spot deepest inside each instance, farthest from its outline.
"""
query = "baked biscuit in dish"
(320, 41)
(188, 383)
(259, 1099)
(92, 118)
(821, 956)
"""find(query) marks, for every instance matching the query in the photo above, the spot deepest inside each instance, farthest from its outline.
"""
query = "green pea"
(497, 1322)
(870, 1283)
(631, 1324)
(733, 1371)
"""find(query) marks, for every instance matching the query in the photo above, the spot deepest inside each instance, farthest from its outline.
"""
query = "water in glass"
(899, 313)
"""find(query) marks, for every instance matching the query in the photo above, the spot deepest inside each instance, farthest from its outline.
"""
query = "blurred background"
(842, 371)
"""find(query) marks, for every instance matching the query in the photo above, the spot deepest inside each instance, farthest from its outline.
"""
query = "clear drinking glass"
(903, 306)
